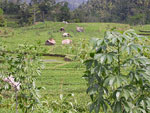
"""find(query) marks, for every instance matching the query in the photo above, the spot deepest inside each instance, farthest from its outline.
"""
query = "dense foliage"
(37, 10)
(3, 21)
(73, 4)
(125, 11)
(118, 74)
(17, 78)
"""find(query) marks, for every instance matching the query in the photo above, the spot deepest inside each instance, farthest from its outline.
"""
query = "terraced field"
(58, 76)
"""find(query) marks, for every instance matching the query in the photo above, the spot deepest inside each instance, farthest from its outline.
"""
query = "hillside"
(58, 76)
(42, 32)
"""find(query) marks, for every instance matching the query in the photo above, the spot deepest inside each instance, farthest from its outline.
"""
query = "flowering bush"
(18, 71)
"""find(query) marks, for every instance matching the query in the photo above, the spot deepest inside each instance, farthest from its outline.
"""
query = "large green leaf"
(97, 107)
(103, 58)
(98, 56)
(100, 42)
(88, 63)
(93, 89)
(117, 107)
(109, 58)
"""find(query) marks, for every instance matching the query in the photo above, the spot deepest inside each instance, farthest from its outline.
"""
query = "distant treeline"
(121, 11)
(37, 10)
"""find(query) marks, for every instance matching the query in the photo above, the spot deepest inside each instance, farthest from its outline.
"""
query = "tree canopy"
(124, 11)
(121, 11)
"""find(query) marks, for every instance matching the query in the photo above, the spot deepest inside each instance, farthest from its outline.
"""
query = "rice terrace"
(60, 59)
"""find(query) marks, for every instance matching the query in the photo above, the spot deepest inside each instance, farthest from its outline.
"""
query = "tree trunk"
(34, 16)
(16, 101)
(43, 16)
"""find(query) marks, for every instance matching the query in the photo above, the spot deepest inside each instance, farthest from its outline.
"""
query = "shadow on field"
(43, 54)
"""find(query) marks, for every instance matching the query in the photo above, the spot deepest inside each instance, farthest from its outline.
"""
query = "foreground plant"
(18, 77)
(118, 74)
(67, 104)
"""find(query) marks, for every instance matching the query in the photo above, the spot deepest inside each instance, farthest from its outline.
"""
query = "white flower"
(111, 82)
(117, 94)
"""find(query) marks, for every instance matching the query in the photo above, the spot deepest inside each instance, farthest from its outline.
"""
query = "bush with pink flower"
(10, 80)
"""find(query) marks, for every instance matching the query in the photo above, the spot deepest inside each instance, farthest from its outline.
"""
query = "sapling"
(118, 73)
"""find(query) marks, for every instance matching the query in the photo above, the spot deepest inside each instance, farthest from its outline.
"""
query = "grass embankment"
(60, 77)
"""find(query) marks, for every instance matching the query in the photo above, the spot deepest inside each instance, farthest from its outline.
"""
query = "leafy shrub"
(12, 24)
(1, 11)
(118, 74)
(17, 78)
(81, 50)
(137, 19)
(25, 17)
(3, 21)
(67, 104)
